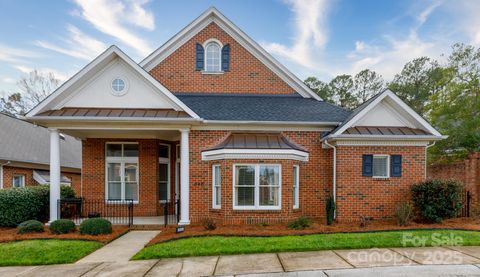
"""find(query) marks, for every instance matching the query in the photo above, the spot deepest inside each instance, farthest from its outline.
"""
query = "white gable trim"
(60, 94)
(213, 15)
(387, 93)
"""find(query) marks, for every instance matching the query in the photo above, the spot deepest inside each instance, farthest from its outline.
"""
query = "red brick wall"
(315, 181)
(466, 171)
(247, 74)
(365, 196)
(10, 171)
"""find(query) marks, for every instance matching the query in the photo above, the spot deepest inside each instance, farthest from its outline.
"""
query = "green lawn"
(216, 245)
(48, 251)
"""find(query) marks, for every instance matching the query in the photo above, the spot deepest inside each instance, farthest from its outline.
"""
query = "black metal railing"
(171, 212)
(466, 200)
(78, 209)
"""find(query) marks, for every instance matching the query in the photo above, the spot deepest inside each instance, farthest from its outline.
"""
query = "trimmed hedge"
(436, 200)
(95, 226)
(21, 204)
(62, 226)
(30, 226)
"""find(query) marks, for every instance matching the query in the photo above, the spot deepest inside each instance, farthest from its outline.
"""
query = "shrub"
(209, 224)
(436, 200)
(300, 223)
(67, 192)
(30, 226)
(404, 213)
(95, 226)
(62, 226)
(330, 209)
(32, 202)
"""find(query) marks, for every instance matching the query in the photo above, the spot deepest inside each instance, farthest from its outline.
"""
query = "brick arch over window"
(246, 73)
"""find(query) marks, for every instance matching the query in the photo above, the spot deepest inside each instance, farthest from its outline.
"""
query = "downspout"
(334, 192)
(426, 155)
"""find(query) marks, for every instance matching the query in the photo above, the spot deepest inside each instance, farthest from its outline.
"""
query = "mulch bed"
(10, 234)
(316, 228)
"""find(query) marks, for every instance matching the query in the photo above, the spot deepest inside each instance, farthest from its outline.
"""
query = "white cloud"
(59, 75)
(10, 54)
(468, 19)
(310, 32)
(114, 17)
(79, 45)
(8, 80)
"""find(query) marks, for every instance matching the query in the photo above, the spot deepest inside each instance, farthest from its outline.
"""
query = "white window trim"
(256, 205)
(205, 44)
(271, 154)
(214, 191)
(296, 200)
(388, 166)
(167, 162)
(22, 185)
(1, 176)
(122, 161)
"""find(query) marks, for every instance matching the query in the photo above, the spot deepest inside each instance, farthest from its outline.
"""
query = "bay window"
(217, 190)
(257, 186)
(296, 187)
(122, 171)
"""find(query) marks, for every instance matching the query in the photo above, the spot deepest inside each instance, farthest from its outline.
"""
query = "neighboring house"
(210, 118)
(24, 155)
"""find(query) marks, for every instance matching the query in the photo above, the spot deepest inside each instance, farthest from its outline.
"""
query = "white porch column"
(184, 178)
(54, 173)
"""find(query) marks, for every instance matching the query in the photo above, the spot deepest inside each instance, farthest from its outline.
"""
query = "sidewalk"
(121, 249)
(425, 261)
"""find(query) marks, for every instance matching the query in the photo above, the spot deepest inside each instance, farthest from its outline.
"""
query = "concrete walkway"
(424, 261)
(121, 249)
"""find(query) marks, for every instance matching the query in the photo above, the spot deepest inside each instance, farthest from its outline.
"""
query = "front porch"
(129, 177)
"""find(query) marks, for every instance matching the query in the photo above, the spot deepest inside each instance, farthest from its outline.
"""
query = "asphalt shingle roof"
(255, 107)
(22, 141)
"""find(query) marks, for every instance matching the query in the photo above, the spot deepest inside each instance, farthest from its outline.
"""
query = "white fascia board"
(213, 15)
(112, 50)
(397, 100)
(280, 154)
(112, 119)
(382, 137)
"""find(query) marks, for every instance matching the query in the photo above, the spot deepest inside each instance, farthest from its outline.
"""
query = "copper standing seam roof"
(112, 113)
(257, 141)
(385, 131)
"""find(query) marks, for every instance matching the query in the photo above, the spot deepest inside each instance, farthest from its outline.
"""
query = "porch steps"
(147, 227)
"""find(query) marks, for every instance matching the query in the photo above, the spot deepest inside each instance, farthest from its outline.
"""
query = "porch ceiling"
(125, 134)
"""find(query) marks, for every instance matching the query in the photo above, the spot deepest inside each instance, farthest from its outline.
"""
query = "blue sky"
(320, 38)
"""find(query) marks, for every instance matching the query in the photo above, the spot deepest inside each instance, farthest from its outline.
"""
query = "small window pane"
(131, 191)
(295, 187)
(269, 196)
(245, 176)
(114, 150)
(217, 186)
(130, 172)
(130, 150)
(380, 166)
(245, 196)
(114, 190)
(18, 181)
(163, 151)
(163, 181)
(213, 57)
(269, 175)
(114, 170)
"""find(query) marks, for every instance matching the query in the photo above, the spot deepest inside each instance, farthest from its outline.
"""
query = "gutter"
(334, 192)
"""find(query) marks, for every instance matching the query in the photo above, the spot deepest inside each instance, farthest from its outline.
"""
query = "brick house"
(214, 121)
(24, 155)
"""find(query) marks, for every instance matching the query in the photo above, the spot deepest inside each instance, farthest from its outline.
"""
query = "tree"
(417, 82)
(342, 88)
(320, 88)
(455, 109)
(367, 83)
(32, 88)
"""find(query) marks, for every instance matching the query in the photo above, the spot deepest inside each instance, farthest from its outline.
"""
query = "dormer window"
(212, 57)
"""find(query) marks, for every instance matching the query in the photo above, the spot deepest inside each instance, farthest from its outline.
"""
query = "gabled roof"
(24, 142)
(370, 104)
(54, 101)
(263, 107)
(213, 15)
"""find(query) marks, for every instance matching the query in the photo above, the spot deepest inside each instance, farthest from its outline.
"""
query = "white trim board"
(55, 100)
(254, 154)
(213, 15)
